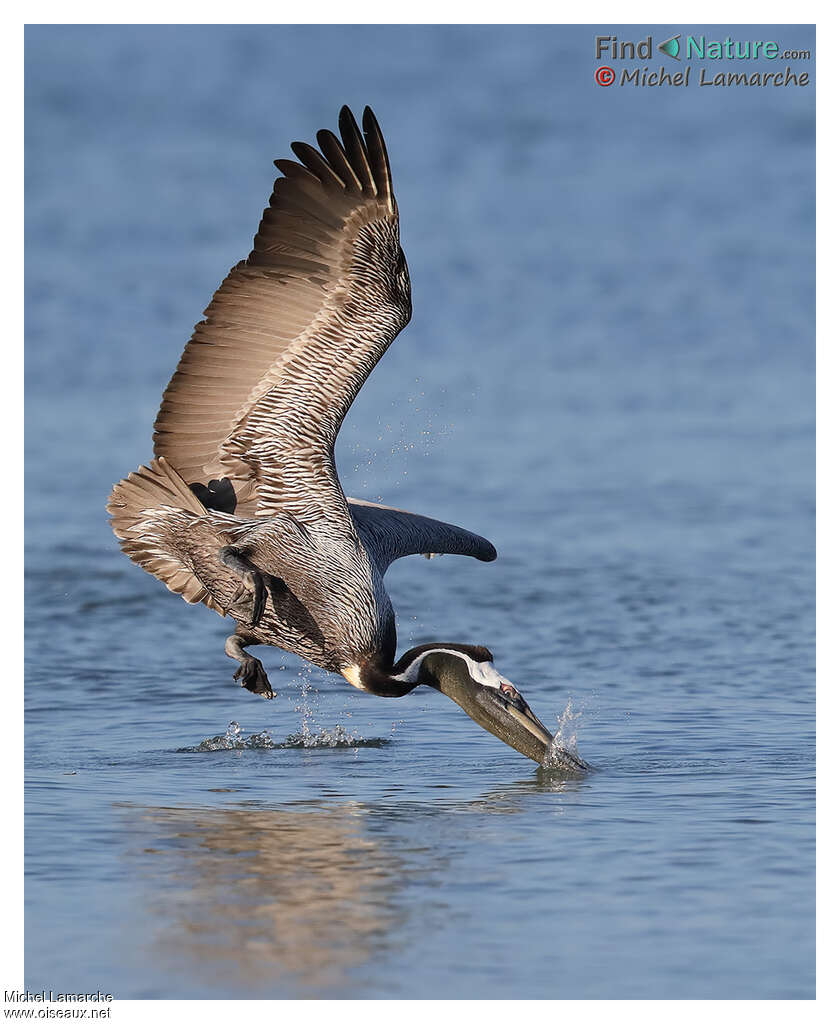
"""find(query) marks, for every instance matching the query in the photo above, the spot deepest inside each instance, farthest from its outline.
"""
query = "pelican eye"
(508, 690)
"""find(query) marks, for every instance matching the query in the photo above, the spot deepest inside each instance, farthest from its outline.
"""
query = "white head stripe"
(481, 671)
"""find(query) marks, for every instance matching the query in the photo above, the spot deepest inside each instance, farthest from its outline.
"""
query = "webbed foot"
(252, 676)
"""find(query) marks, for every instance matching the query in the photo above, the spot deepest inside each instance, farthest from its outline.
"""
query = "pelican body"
(241, 508)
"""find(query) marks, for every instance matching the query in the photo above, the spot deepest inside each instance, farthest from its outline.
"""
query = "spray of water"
(337, 737)
(305, 709)
(309, 736)
(564, 749)
(232, 739)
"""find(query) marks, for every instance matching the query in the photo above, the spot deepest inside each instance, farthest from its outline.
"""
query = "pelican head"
(467, 676)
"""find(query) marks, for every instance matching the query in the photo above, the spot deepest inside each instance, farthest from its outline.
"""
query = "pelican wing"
(391, 533)
(292, 333)
(165, 529)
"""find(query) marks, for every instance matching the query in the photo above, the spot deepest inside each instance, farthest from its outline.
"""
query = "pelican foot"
(260, 594)
(252, 676)
(252, 579)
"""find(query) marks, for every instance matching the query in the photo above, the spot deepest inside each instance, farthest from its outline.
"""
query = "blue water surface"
(609, 373)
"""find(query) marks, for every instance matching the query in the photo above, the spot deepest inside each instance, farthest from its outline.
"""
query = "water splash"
(564, 749)
(338, 736)
(233, 739)
(304, 707)
(415, 427)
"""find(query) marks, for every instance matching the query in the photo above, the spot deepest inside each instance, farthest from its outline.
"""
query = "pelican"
(241, 507)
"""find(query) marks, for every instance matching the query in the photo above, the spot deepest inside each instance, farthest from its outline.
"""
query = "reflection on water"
(514, 797)
(249, 891)
(300, 898)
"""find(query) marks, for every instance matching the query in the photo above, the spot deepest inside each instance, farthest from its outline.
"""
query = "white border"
(434, 12)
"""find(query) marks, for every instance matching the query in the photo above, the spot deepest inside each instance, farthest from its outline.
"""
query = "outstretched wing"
(293, 332)
(390, 533)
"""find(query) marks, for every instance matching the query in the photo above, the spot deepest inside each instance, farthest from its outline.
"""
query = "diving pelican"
(242, 509)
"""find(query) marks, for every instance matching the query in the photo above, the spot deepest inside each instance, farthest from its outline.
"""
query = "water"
(609, 373)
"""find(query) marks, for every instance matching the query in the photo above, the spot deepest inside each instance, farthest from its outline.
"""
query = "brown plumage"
(293, 332)
(242, 508)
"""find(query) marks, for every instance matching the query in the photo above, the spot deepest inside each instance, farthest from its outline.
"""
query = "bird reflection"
(515, 797)
(297, 901)
(252, 892)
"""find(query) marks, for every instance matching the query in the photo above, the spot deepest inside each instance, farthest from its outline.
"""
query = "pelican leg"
(250, 576)
(250, 673)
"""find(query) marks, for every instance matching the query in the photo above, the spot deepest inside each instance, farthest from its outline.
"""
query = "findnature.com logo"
(697, 48)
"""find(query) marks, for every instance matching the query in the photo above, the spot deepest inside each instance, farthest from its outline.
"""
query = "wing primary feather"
(378, 156)
(298, 203)
(355, 148)
(334, 152)
(312, 159)
(292, 169)
(392, 533)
